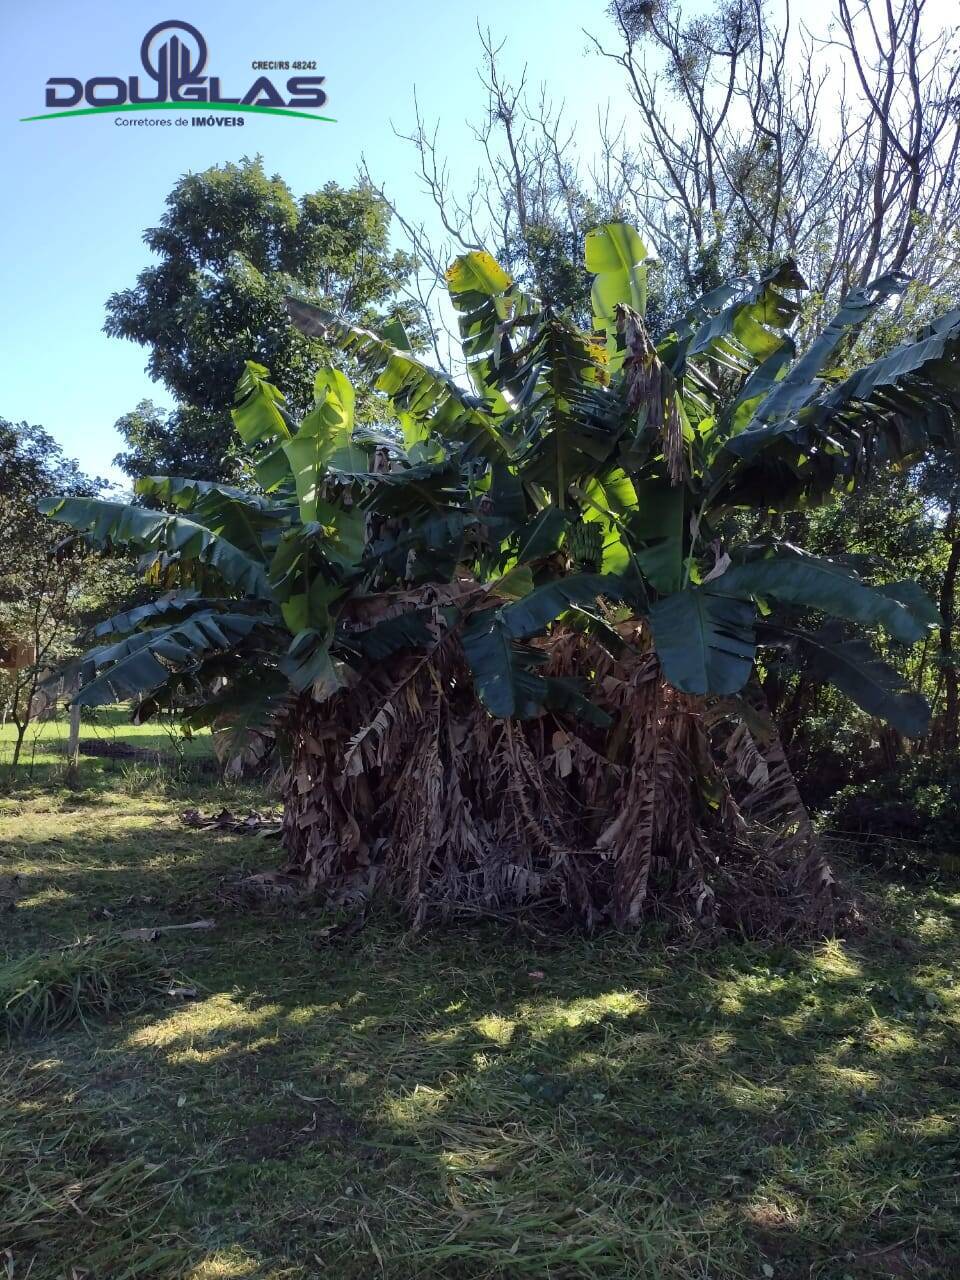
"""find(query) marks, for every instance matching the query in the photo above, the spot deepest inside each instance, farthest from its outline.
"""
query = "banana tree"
(512, 642)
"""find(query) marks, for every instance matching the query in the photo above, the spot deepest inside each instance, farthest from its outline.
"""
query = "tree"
(45, 587)
(232, 243)
(530, 202)
(734, 159)
(522, 655)
(183, 440)
(752, 137)
(946, 484)
(887, 527)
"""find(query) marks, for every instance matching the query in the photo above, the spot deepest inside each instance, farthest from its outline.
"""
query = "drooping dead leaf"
(364, 742)
(652, 393)
(405, 785)
(723, 563)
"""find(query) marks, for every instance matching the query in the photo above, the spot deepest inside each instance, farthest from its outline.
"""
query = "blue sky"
(79, 192)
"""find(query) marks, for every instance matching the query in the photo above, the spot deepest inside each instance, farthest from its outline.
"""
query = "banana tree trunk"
(403, 784)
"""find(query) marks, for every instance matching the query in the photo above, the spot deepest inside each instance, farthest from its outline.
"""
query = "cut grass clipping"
(59, 1185)
(47, 991)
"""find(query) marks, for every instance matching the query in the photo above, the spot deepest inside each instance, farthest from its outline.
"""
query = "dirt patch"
(322, 1121)
(893, 1263)
(112, 1079)
(109, 749)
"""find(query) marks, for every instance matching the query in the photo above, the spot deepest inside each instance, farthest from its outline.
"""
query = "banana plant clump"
(511, 645)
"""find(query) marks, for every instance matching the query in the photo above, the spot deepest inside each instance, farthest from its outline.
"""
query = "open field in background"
(106, 729)
(472, 1103)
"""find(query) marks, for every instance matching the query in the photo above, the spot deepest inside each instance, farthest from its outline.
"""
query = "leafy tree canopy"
(230, 246)
(49, 587)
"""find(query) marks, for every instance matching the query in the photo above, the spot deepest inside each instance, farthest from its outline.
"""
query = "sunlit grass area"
(121, 747)
(472, 1103)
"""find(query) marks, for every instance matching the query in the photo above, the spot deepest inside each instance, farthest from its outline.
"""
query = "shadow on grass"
(476, 1104)
(113, 752)
(114, 850)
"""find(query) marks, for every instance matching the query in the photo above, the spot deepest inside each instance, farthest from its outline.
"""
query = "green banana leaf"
(412, 387)
(141, 664)
(325, 438)
(853, 668)
(618, 259)
(706, 643)
(534, 612)
(506, 678)
(825, 585)
(153, 531)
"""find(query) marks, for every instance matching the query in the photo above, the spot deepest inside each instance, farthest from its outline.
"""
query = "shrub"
(44, 992)
(917, 805)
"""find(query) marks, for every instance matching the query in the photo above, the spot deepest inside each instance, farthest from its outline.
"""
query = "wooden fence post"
(73, 746)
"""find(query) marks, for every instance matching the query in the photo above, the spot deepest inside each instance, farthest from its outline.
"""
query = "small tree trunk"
(73, 745)
(18, 746)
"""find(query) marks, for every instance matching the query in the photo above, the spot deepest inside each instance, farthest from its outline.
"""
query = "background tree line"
(749, 139)
(50, 589)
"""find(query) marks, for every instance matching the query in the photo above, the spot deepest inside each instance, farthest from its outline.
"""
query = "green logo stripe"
(179, 106)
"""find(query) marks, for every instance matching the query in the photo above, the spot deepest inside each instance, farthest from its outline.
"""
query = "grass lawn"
(105, 729)
(467, 1103)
